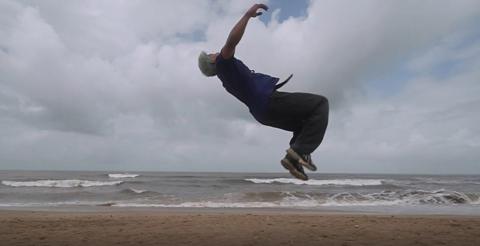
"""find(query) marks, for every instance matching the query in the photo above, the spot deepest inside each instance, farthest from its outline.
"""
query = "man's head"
(206, 63)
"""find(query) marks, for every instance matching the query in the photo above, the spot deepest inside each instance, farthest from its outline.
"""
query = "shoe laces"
(307, 158)
(299, 167)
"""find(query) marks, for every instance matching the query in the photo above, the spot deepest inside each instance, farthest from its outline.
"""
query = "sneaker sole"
(308, 166)
(293, 171)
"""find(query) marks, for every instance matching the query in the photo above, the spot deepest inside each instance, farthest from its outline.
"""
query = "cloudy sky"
(114, 85)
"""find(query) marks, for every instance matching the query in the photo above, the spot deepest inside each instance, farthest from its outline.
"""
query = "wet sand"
(233, 228)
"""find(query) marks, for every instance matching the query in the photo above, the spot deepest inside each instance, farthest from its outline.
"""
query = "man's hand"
(252, 12)
(237, 32)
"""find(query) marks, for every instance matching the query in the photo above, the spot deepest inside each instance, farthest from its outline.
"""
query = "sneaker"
(305, 160)
(295, 169)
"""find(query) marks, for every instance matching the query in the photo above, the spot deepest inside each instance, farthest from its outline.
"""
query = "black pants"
(304, 114)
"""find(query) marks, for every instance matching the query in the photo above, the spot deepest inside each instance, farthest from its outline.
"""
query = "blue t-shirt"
(253, 89)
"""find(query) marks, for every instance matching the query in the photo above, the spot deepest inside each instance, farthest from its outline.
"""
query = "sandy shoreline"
(235, 227)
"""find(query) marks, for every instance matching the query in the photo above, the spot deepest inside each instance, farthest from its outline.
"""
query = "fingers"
(259, 6)
(262, 6)
(252, 12)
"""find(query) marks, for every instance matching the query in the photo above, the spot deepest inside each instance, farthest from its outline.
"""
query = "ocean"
(425, 194)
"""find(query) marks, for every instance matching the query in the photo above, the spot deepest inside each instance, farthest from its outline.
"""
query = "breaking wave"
(336, 182)
(288, 200)
(302, 200)
(134, 191)
(414, 197)
(295, 202)
(122, 175)
(66, 183)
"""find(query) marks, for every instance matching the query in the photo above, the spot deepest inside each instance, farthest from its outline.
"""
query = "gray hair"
(206, 65)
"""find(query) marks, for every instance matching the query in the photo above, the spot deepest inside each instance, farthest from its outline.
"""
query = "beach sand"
(242, 227)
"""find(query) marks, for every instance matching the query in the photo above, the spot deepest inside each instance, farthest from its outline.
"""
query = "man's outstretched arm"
(237, 32)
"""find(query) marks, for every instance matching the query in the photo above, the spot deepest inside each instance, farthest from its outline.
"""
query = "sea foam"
(65, 183)
(204, 204)
(411, 197)
(338, 182)
(122, 175)
(135, 191)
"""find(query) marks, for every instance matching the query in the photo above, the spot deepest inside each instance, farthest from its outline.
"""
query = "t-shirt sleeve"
(223, 64)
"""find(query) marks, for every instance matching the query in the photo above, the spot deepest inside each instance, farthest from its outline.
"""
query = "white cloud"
(101, 84)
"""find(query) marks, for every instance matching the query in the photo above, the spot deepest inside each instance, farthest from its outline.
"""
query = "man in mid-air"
(304, 114)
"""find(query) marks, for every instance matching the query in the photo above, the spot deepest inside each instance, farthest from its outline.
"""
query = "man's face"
(213, 57)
